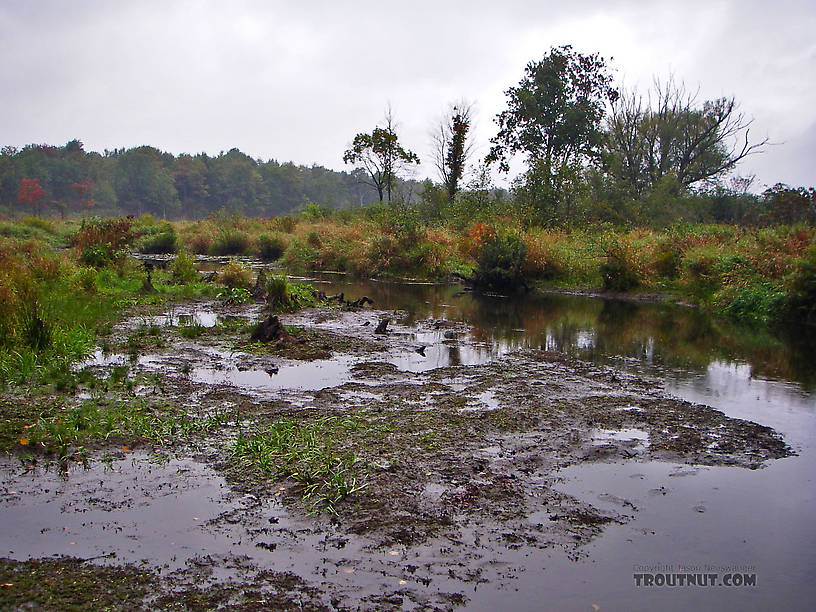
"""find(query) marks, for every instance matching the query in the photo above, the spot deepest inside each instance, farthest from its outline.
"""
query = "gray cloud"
(287, 81)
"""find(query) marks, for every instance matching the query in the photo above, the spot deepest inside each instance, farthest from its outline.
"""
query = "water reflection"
(652, 335)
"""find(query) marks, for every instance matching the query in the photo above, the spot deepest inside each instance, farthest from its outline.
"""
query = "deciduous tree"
(554, 117)
(451, 147)
(671, 134)
(381, 156)
(31, 194)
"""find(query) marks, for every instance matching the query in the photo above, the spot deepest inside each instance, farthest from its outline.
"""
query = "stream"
(680, 518)
(712, 518)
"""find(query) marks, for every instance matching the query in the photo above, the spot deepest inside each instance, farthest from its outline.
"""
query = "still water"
(717, 519)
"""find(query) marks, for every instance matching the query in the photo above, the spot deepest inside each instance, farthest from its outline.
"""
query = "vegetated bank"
(755, 275)
(749, 274)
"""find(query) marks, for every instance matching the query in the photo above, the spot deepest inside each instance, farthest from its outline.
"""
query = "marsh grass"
(66, 431)
(311, 454)
(285, 296)
(191, 330)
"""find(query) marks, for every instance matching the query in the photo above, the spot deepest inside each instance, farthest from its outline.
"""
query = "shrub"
(667, 262)
(299, 256)
(270, 248)
(183, 268)
(620, 272)
(101, 242)
(800, 305)
(231, 242)
(314, 212)
(757, 302)
(284, 224)
(235, 275)
(112, 233)
(501, 264)
(161, 240)
(313, 240)
(701, 271)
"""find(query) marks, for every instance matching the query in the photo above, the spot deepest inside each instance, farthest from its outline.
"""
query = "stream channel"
(684, 518)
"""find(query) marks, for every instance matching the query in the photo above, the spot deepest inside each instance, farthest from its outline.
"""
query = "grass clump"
(269, 247)
(231, 241)
(159, 239)
(284, 296)
(311, 454)
(183, 269)
(235, 275)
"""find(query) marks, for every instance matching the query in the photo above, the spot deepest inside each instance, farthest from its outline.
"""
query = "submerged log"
(381, 328)
(268, 330)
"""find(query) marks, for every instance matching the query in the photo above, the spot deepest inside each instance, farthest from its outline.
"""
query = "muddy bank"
(456, 451)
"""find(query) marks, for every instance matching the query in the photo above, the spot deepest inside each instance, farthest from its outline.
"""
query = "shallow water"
(681, 515)
(686, 516)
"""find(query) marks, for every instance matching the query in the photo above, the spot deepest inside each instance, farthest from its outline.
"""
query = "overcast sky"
(296, 80)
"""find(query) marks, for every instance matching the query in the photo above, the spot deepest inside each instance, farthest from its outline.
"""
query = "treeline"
(69, 181)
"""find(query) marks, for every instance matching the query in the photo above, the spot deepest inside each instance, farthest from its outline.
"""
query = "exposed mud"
(460, 449)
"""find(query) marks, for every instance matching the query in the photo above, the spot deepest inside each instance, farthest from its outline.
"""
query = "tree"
(671, 134)
(786, 205)
(143, 183)
(80, 195)
(381, 156)
(451, 148)
(554, 118)
(30, 194)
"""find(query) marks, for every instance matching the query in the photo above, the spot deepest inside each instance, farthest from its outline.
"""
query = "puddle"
(203, 318)
(484, 401)
(132, 507)
(305, 376)
(635, 436)
(432, 350)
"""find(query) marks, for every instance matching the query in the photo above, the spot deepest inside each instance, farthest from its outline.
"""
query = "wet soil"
(461, 451)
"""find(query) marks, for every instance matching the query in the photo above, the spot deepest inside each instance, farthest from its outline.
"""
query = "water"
(687, 516)
(681, 515)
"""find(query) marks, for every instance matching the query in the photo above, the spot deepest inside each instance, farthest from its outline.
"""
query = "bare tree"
(451, 147)
(671, 133)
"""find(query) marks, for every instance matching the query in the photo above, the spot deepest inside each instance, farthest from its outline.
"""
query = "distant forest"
(71, 181)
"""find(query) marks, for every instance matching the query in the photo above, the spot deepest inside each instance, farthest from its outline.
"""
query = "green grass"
(311, 454)
(66, 430)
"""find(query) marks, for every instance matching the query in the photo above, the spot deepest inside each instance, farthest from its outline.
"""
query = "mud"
(462, 451)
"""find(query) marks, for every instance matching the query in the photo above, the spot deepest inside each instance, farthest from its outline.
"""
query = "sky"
(295, 81)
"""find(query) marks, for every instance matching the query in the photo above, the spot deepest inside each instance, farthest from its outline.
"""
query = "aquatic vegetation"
(310, 454)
